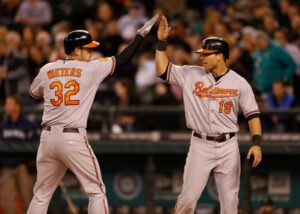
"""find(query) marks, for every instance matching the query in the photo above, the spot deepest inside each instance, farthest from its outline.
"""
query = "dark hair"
(17, 100)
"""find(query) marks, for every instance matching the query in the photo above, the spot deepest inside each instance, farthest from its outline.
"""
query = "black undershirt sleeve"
(127, 54)
(253, 116)
(164, 76)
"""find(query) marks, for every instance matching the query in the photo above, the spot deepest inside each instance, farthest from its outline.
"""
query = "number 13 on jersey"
(72, 88)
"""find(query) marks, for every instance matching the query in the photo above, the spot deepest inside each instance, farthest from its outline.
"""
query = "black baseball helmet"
(215, 45)
(78, 38)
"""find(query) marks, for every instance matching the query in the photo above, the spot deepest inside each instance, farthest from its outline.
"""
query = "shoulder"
(276, 47)
(102, 61)
(48, 66)
(191, 68)
(237, 79)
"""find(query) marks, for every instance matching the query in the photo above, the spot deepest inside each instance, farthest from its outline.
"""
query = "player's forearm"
(161, 61)
(255, 130)
(128, 53)
(255, 126)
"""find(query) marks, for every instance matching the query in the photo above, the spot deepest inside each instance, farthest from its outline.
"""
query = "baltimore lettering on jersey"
(213, 92)
(64, 72)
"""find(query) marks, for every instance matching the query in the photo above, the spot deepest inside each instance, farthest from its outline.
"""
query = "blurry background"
(136, 125)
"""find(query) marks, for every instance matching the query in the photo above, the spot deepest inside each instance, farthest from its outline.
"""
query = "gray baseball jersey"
(211, 107)
(211, 111)
(68, 88)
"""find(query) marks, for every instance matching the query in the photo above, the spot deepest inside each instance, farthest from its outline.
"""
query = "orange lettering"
(78, 72)
(57, 72)
(50, 74)
(213, 92)
(67, 72)
(72, 73)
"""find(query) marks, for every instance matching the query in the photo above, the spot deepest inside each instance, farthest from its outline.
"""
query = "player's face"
(210, 61)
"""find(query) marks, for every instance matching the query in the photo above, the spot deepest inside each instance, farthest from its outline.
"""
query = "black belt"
(69, 130)
(219, 138)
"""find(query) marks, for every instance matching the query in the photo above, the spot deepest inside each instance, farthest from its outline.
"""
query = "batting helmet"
(78, 38)
(215, 45)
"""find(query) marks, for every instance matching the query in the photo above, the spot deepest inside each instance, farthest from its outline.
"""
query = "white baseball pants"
(57, 152)
(204, 157)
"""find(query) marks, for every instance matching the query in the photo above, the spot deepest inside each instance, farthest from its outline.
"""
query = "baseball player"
(212, 95)
(68, 88)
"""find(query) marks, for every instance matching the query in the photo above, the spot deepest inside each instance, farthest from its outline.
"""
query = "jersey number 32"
(72, 88)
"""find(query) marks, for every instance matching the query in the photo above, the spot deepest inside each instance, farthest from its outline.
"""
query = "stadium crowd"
(264, 37)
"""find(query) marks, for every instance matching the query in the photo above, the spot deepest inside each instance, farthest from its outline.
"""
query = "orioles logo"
(213, 92)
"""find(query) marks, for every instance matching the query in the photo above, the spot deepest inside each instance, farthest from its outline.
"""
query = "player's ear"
(76, 51)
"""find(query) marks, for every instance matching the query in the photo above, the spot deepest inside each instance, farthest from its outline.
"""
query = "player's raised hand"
(163, 29)
(255, 150)
(148, 25)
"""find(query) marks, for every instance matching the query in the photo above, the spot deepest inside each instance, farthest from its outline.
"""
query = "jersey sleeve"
(36, 87)
(176, 74)
(247, 101)
(103, 67)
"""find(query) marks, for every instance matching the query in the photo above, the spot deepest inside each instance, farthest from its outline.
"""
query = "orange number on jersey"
(75, 90)
(59, 93)
(225, 107)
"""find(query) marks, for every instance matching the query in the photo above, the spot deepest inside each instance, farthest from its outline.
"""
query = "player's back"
(68, 88)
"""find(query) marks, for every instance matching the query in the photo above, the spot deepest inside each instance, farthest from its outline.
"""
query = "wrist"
(162, 45)
(256, 140)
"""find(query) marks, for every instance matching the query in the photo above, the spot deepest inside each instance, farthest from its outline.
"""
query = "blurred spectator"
(14, 69)
(235, 27)
(282, 38)
(267, 207)
(43, 41)
(58, 49)
(36, 60)
(271, 63)
(3, 32)
(16, 178)
(63, 26)
(240, 61)
(279, 98)
(194, 42)
(212, 17)
(124, 98)
(163, 95)
(34, 13)
(105, 13)
(270, 24)
(145, 79)
(111, 40)
(179, 27)
(8, 10)
(295, 23)
(13, 38)
(27, 40)
(283, 18)
(220, 30)
(129, 23)
(293, 10)
(172, 7)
